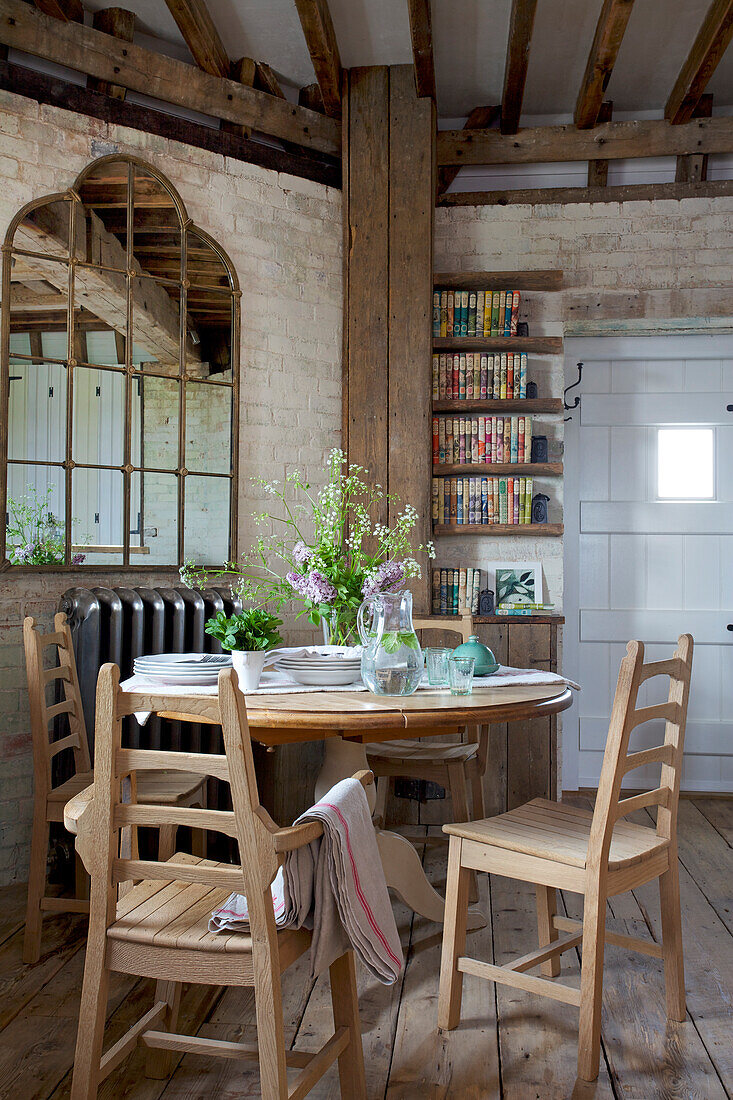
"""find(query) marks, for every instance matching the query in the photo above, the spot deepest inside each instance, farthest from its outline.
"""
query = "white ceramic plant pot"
(248, 667)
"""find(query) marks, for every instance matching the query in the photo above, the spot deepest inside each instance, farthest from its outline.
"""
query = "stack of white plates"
(185, 669)
(321, 669)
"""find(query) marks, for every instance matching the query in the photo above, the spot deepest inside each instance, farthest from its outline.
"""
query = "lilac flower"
(302, 553)
(25, 553)
(314, 587)
(78, 559)
(296, 581)
(388, 577)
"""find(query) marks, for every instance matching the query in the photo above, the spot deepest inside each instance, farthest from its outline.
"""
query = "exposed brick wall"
(284, 237)
(643, 267)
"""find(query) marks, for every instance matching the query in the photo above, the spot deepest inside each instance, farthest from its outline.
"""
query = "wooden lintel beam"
(320, 37)
(517, 60)
(630, 192)
(68, 11)
(610, 141)
(200, 35)
(607, 40)
(480, 118)
(165, 78)
(709, 46)
(120, 24)
(422, 47)
(310, 96)
(598, 169)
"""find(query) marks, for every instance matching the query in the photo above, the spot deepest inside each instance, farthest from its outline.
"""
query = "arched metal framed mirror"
(119, 373)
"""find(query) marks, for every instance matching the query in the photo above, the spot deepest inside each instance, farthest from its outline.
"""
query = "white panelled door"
(649, 540)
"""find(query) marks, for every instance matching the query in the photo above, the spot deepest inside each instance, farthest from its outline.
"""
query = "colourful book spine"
(456, 376)
(476, 590)
(472, 500)
(507, 439)
(442, 378)
(497, 377)
(462, 439)
(435, 512)
(480, 297)
(471, 320)
(450, 312)
(508, 313)
(441, 439)
(502, 385)
(498, 440)
(462, 376)
(469, 376)
(500, 317)
(476, 375)
(523, 375)
(448, 453)
(459, 501)
(454, 592)
(475, 440)
(495, 499)
(487, 313)
(520, 440)
(443, 591)
(510, 500)
(464, 313)
(436, 377)
(465, 500)
(484, 500)
(456, 439)
(514, 441)
(528, 501)
(528, 438)
(484, 376)
(495, 313)
(510, 374)
(517, 492)
(482, 439)
(522, 499)
(515, 313)
(444, 313)
(446, 500)
(436, 441)
(502, 500)
(436, 313)
(461, 589)
(435, 600)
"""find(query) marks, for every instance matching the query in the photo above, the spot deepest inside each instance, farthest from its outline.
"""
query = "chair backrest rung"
(658, 754)
(71, 741)
(229, 878)
(674, 668)
(131, 760)
(66, 706)
(154, 815)
(658, 797)
(669, 711)
(60, 672)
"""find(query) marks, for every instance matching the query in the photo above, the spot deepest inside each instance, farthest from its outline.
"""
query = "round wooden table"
(347, 721)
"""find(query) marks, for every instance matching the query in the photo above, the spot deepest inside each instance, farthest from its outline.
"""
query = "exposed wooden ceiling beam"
(68, 11)
(480, 118)
(709, 46)
(422, 47)
(266, 80)
(311, 96)
(165, 78)
(320, 37)
(517, 60)
(693, 169)
(629, 192)
(120, 24)
(598, 169)
(200, 35)
(607, 40)
(609, 141)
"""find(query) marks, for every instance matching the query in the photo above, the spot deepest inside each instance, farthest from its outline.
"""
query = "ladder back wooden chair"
(159, 928)
(457, 766)
(596, 854)
(174, 788)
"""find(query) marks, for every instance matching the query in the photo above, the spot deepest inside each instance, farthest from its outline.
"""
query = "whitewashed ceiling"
(469, 43)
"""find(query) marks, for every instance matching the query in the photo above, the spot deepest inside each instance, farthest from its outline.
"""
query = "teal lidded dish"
(485, 662)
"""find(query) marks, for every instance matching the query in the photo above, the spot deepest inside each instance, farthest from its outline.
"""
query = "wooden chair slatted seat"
(598, 854)
(159, 927)
(174, 787)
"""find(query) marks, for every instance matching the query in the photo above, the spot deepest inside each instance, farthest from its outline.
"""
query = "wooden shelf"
(500, 405)
(549, 618)
(498, 280)
(533, 530)
(496, 469)
(540, 345)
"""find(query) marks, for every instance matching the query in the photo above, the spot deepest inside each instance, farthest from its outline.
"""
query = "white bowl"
(317, 677)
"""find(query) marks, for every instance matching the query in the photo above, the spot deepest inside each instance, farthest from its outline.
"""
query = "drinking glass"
(460, 675)
(438, 666)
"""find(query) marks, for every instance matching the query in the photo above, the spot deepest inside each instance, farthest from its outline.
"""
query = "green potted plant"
(249, 636)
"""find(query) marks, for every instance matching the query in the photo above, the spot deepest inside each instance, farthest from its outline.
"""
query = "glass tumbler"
(437, 661)
(460, 675)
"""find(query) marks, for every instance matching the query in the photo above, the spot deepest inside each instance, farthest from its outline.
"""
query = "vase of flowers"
(325, 550)
(35, 536)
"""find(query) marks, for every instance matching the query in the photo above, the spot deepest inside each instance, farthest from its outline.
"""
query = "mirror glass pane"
(204, 265)
(37, 411)
(45, 230)
(105, 346)
(156, 228)
(39, 311)
(35, 515)
(156, 325)
(206, 534)
(99, 417)
(100, 236)
(96, 524)
(208, 428)
(155, 422)
(153, 518)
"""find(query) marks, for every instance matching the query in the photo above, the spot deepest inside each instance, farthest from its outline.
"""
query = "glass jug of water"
(391, 659)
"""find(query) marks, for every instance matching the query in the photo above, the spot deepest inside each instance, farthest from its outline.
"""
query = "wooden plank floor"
(509, 1045)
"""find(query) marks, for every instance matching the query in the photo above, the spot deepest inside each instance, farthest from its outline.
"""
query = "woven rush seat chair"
(172, 788)
(159, 927)
(596, 854)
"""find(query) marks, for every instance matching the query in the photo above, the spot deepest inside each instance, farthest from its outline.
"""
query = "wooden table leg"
(402, 866)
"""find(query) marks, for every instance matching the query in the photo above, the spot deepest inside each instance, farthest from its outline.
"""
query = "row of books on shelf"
(481, 439)
(482, 500)
(456, 589)
(475, 312)
(475, 375)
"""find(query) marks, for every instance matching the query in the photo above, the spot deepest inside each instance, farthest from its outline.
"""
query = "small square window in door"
(685, 463)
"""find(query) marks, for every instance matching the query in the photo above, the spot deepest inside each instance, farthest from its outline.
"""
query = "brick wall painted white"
(283, 235)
